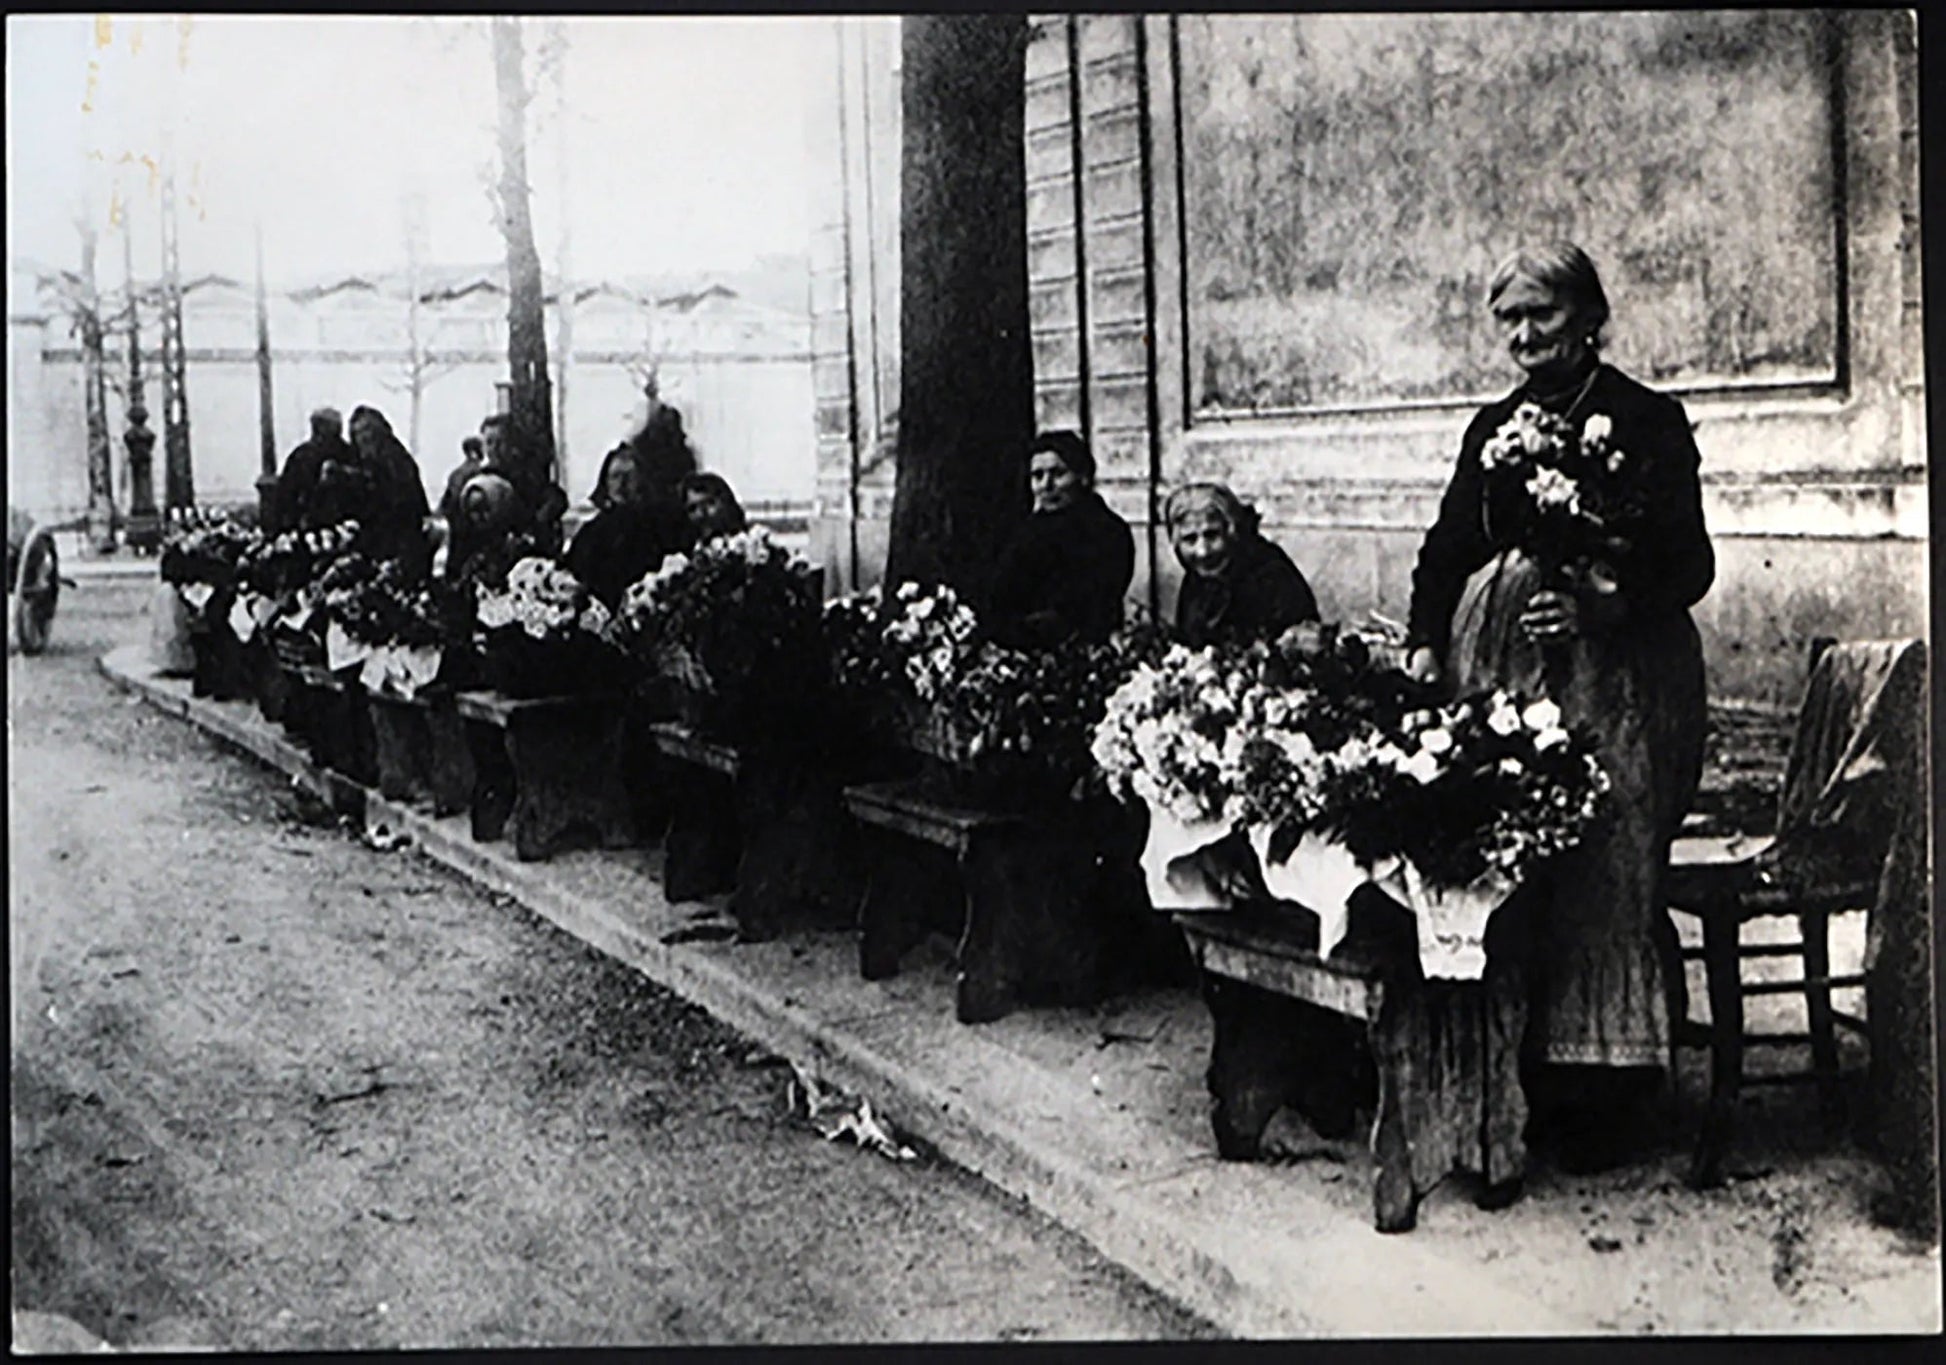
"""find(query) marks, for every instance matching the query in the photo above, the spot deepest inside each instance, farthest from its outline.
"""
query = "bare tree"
(88, 321)
(532, 404)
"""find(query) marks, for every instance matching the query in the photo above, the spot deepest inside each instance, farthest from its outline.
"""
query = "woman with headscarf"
(1237, 586)
(710, 508)
(395, 520)
(620, 544)
(1063, 575)
(1613, 643)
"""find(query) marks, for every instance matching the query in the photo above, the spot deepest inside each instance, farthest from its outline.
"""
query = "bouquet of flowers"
(383, 619)
(545, 633)
(736, 624)
(287, 564)
(206, 551)
(1575, 487)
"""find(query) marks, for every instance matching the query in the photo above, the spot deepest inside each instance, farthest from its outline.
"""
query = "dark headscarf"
(719, 487)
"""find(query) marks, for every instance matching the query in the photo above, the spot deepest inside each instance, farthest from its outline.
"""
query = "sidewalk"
(1098, 1118)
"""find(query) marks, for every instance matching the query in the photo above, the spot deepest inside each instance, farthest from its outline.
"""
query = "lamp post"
(179, 480)
(266, 408)
(144, 526)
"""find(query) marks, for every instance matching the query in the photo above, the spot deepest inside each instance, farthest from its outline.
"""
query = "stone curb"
(1305, 1278)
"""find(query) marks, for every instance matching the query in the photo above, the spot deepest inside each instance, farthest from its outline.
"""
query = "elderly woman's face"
(1545, 332)
(364, 435)
(1204, 541)
(622, 484)
(1052, 483)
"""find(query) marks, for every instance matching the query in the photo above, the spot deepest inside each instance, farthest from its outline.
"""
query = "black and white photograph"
(743, 679)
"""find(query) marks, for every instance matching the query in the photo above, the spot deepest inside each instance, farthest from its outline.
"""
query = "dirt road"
(276, 1090)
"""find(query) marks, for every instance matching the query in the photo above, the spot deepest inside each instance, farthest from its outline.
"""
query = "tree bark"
(532, 403)
(966, 408)
(101, 485)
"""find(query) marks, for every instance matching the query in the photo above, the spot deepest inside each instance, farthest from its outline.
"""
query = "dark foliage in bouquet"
(1579, 500)
(209, 549)
(736, 623)
(1491, 783)
(292, 561)
(379, 603)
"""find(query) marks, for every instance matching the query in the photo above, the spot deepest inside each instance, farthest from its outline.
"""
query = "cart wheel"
(36, 592)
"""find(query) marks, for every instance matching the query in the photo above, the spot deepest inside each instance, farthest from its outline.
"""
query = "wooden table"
(766, 827)
(1015, 887)
(1446, 1053)
(547, 771)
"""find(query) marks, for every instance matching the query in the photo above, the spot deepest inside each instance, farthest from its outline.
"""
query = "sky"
(681, 145)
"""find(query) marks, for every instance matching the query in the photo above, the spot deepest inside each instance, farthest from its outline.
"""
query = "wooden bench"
(1014, 887)
(1446, 1053)
(402, 746)
(769, 830)
(547, 771)
(334, 722)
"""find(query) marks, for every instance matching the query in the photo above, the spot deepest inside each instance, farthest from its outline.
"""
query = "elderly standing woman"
(1063, 575)
(395, 520)
(1237, 586)
(1614, 644)
(622, 542)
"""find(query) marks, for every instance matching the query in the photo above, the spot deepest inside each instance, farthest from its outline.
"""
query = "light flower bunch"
(292, 561)
(738, 604)
(543, 600)
(935, 636)
(1175, 733)
(207, 550)
(1576, 486)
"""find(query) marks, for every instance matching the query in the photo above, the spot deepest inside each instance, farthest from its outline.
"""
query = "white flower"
(1423, 767)
(1436, 741)
(1541, 715)
(1598, 428)
(1510, 766)
(1550, 738)
(1503, 719)
(1552, 488)
(1615, 461)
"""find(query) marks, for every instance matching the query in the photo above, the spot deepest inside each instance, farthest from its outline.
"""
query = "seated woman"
(1237, 586)
(622, 542)
(507, 500)
(711, 507)
(1063, 575)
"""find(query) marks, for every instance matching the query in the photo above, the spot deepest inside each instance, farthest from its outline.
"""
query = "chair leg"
(1815, 929)
(1722, 967)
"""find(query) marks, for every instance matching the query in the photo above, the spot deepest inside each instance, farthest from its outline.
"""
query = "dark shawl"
(1063, 577)
(1671, 564)
(305, 499)
(614, 550)
(1258, 596)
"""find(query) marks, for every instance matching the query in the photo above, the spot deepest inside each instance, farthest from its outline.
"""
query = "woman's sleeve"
(1671, 563)
(1454, 547)
(1096, 593)
(1287, 599)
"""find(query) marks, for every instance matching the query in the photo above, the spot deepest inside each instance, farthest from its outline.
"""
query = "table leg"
(567, 782)
(700, 853)
(1028, 932)
(797, 867)
(1395, 1194)
(451, 758)
(905, 890)
(402, 747)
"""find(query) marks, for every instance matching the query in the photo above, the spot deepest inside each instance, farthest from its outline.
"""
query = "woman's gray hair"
(1213, 497)
(1564, 268)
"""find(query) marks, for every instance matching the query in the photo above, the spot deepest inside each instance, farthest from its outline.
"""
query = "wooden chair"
(1861, 706)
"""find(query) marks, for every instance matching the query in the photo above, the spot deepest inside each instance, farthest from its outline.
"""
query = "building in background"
(1258, 248)
(732, 351)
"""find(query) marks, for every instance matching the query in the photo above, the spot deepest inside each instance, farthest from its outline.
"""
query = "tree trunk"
(101, 474)
(532, 405)
(966, 404)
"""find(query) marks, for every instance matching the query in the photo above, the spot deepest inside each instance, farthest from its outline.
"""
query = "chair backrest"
(1858, 754)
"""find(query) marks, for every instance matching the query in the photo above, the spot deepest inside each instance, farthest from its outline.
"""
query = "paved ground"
(274, 1089)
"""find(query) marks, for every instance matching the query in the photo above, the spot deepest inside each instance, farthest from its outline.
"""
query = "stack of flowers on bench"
(277, 588)
(544, 634)
(384, 621)
(1332, 770)
(732, 629)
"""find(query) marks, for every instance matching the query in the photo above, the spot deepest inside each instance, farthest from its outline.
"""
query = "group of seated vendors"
(650, 499)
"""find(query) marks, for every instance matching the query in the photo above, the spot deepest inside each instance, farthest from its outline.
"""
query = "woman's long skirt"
(1601, 951)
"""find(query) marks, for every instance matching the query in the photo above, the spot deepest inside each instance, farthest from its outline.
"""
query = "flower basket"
(1451, 920)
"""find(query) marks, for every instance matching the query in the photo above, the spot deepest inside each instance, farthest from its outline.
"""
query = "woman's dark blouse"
(1063, 576)
(614, 549)
(1670, 563)
(1259, 596)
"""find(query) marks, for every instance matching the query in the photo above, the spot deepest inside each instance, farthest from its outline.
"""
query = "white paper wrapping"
(169, 632)
(341, 651)
(1320, 875)
(1452, 921)
(377, 670)
(1175, 883)
(197, 595)
(243, 622)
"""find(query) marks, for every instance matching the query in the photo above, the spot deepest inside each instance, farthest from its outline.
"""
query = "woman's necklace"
(1580, 392)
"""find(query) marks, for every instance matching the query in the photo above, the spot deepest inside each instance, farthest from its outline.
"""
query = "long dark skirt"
(1602, 951)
